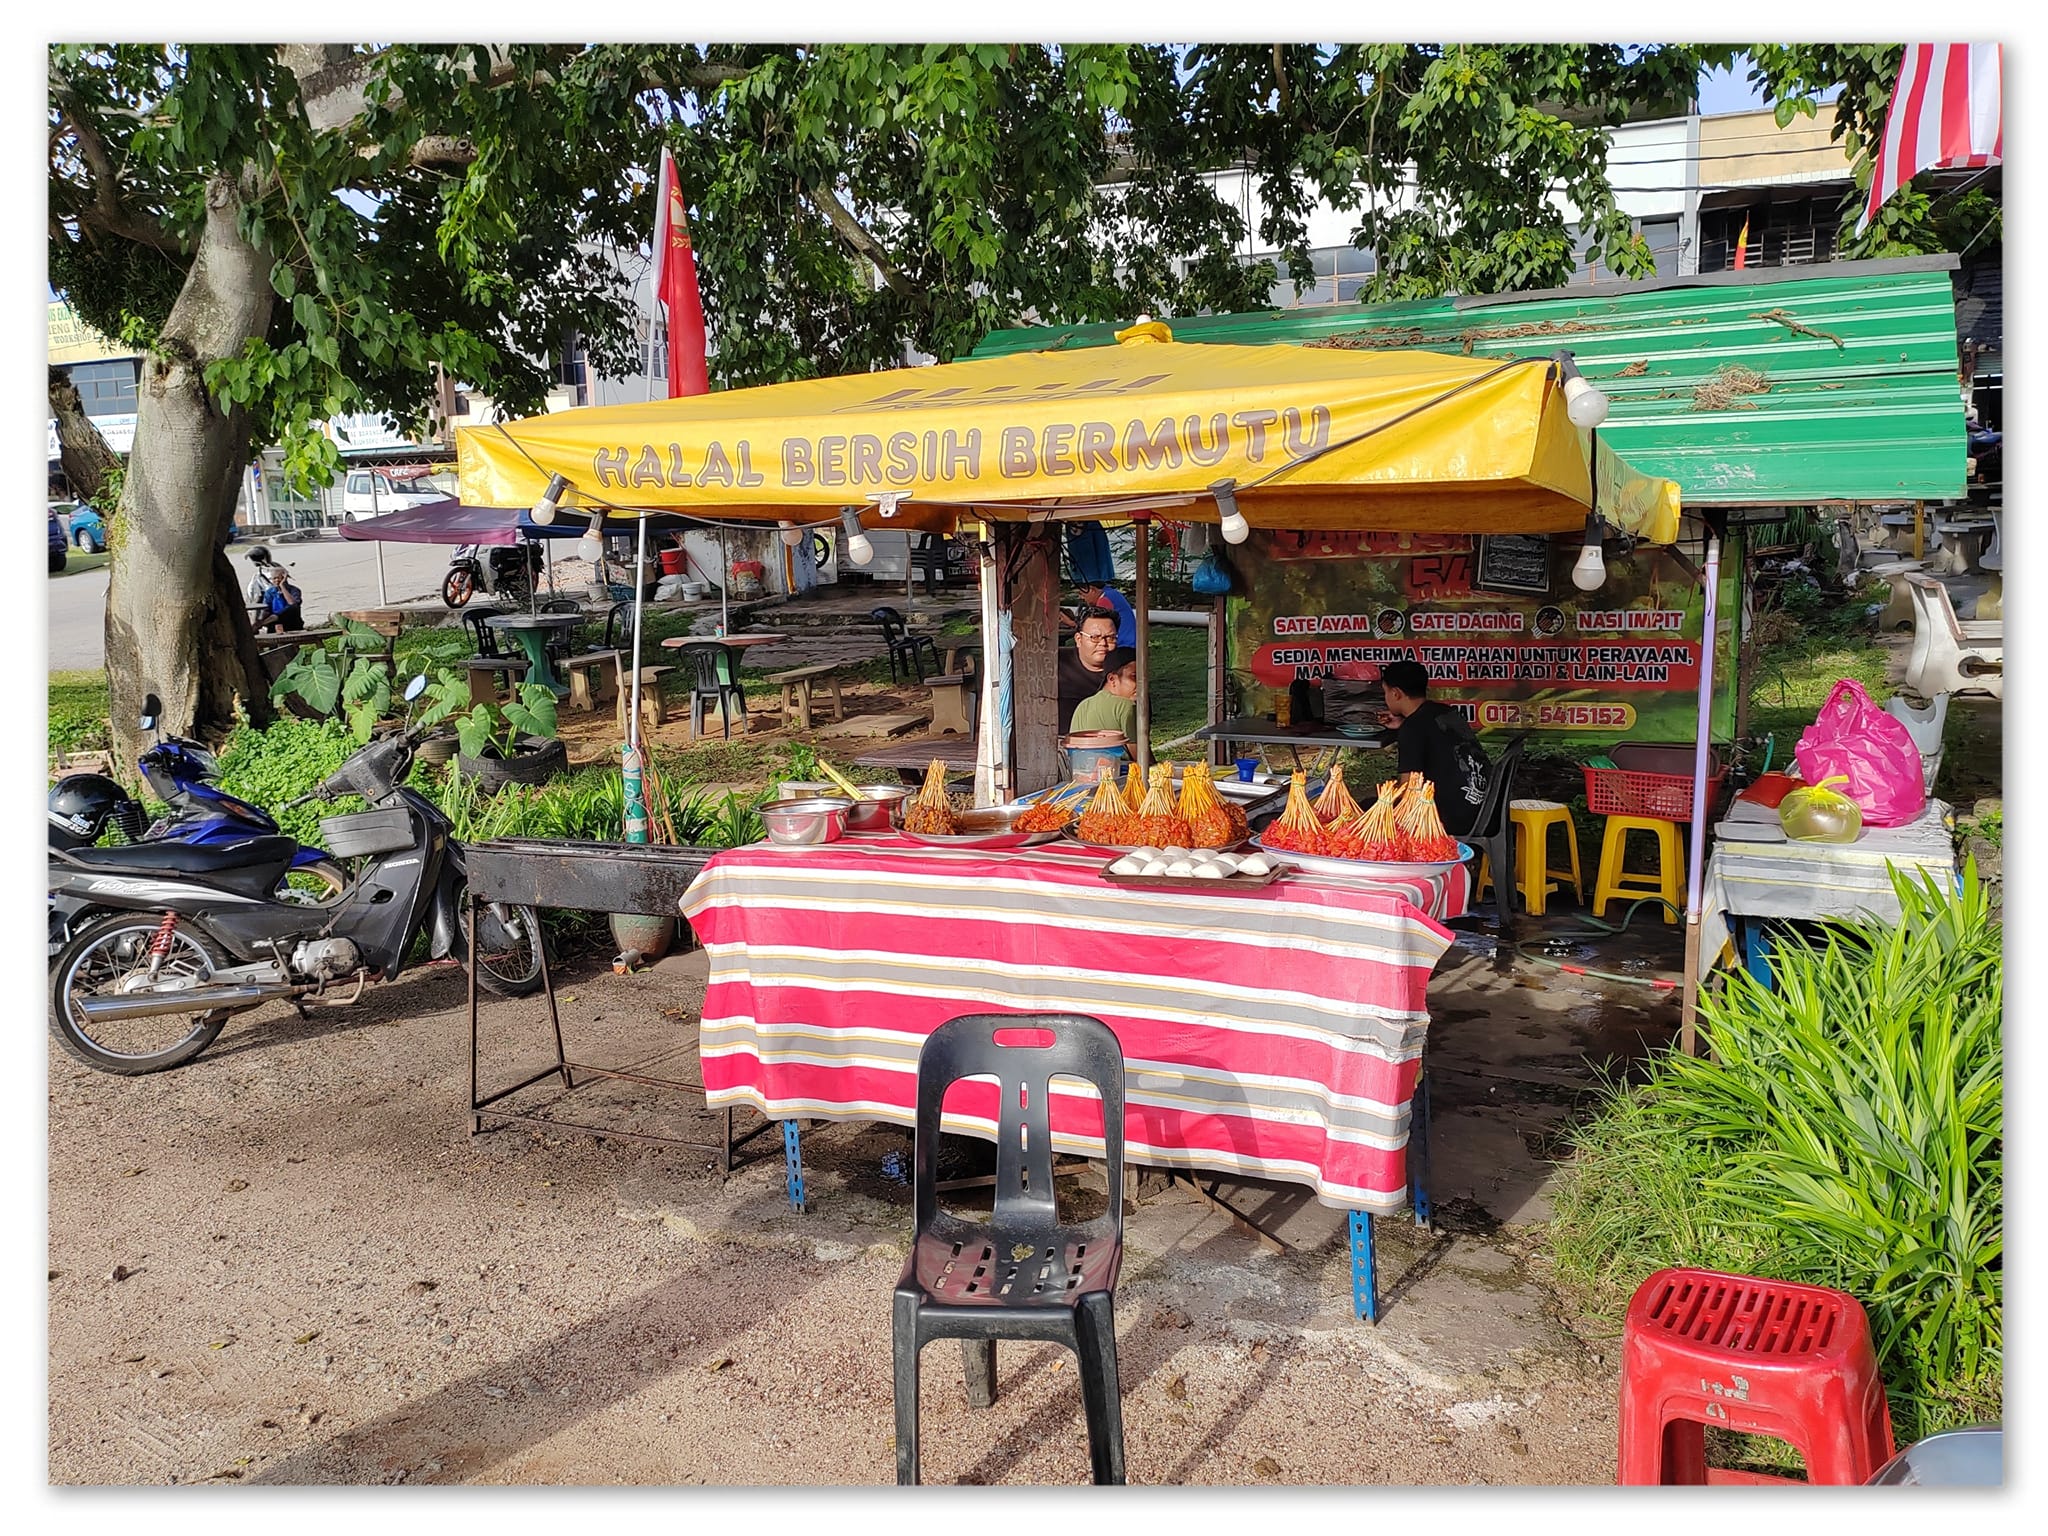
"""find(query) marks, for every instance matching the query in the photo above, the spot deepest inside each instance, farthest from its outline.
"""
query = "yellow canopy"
(1313, 438)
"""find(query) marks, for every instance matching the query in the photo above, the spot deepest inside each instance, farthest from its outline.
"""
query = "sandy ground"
(327, 1279)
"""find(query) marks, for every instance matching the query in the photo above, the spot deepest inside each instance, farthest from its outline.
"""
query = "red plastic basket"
(1633, 788)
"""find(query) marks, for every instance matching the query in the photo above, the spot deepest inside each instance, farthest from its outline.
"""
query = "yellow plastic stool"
(1533, 820)
(1668, 882)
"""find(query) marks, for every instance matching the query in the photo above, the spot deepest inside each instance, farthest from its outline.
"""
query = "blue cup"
(1246, 768)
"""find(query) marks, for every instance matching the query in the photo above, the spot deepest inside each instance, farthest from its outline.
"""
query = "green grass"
(78, 712)
(77, 563)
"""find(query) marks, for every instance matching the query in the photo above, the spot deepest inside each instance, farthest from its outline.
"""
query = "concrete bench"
(654, 683)
(798, 684)
(952, 706)
(491, 678)
(593, 679)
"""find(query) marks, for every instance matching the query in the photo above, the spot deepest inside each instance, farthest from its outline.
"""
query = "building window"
(106, 388)
(1780, 235)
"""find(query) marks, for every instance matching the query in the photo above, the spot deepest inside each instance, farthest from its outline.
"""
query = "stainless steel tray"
(990, 828)
(1363, 869)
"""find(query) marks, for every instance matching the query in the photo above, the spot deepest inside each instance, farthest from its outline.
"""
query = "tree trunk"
(86, 457)
(176, 624)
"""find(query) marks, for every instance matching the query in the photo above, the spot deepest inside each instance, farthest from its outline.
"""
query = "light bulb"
(1234, 528)
(591, 546)
(857, 550)
(791, 534)
(1589, 574)
(1583, 403)
(544, 509)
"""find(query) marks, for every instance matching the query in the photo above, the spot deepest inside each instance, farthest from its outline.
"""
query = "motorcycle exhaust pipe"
(144, 1005)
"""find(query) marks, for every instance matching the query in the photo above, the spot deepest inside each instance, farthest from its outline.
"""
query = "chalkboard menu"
(1515, 562)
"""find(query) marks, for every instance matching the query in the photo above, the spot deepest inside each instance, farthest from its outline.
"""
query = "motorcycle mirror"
(416, 687)
(152, 706)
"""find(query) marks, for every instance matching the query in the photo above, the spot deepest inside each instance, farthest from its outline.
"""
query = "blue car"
(88, 533)
(57, 543)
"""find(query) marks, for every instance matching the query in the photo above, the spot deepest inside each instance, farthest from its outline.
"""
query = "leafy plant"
(339, 676)
(1847, 1130)
(493, 730)
(281, 762)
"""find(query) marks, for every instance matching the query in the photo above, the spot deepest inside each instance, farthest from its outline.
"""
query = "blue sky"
(1728, 90)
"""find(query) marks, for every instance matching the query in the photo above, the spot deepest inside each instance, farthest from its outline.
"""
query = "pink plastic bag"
(1873, 750)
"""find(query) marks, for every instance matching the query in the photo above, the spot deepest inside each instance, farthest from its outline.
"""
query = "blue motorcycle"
(181, 773)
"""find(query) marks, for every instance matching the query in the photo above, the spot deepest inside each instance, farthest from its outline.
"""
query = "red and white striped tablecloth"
(1276, 1033)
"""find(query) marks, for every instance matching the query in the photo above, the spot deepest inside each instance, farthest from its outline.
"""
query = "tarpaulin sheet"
(1276, 1033)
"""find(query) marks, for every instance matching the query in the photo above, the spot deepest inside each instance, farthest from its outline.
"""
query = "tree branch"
(104, 209)
(849, 229)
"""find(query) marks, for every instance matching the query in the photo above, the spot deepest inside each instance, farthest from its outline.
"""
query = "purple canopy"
(439, 522)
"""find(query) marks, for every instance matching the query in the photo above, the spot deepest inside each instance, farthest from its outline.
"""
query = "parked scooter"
(508, 570)
(82, 806)
(200, 934)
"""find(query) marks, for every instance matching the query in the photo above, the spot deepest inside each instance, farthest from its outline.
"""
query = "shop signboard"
(1517, 647)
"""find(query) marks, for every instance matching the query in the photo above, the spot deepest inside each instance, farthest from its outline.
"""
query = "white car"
(369, 493)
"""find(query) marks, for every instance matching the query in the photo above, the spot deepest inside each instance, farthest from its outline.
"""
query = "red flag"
(675, 286)
(1944, 114)
(1742, 245)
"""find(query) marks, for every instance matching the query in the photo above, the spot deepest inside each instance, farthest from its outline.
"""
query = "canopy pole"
(639, 605)
(1143, 586)
(1702, 749)
(724, 582)
(989, 752)
(375, 510)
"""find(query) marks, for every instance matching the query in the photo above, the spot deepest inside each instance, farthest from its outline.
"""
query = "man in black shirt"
(1083, 669)
(1435, 741)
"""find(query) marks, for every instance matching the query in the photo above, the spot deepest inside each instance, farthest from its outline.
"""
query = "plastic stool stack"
(1534, 873)
(1760, 1357)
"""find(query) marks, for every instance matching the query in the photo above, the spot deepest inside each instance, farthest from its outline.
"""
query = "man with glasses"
(1085, 668)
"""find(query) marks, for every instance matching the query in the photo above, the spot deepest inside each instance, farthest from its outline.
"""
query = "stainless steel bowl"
(880, 808)
(800, 823)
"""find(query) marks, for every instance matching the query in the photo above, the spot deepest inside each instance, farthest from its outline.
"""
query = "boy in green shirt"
(1115, 708)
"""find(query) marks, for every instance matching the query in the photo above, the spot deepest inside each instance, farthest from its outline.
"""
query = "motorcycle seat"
(190, 858)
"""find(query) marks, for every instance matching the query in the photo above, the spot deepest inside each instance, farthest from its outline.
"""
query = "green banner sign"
(1498, 624)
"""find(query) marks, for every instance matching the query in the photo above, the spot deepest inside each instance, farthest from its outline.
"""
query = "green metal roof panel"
(1860, 398)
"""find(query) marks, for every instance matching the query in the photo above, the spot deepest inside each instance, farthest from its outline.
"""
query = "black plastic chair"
(1494, 832)
(1021, 1275)
(905, 648)
(482, 636)
(714, 675)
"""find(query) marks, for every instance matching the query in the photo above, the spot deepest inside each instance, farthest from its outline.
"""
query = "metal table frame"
(487, 865)
(1266, 733)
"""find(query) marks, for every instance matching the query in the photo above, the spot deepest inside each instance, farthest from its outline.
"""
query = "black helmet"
(83, 805)
(259, 555)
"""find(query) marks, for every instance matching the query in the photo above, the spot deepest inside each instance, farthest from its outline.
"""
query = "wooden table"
(530, 630)
(911, 759)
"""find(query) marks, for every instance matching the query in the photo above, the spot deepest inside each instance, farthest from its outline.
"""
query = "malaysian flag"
(1944, 115)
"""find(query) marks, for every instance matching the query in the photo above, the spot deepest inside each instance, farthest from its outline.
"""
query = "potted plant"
(509, 743)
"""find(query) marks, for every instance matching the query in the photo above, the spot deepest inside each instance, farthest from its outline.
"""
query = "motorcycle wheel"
(313, 885)
(96, 961)
(458, 588)
(509, 963)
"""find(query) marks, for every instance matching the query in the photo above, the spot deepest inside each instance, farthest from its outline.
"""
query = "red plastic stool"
(1764, 1357)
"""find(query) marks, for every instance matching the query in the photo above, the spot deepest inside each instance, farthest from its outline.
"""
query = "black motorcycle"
(198, 933)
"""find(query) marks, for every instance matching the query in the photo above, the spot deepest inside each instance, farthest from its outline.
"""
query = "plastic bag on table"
(1853, 740)
(1818, 813)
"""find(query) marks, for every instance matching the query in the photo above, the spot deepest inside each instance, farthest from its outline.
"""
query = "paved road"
(332, 572)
